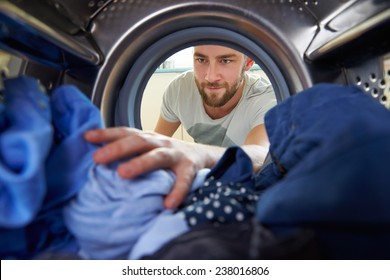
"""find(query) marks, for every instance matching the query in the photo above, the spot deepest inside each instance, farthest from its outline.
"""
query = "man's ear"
(249, 63)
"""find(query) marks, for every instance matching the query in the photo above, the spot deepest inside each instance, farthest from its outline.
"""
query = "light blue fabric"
(110, 214)
(25, 141)
(167, 226)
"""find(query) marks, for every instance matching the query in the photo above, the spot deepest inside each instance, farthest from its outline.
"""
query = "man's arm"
(166, 128)
(256, 145)
(150, 151)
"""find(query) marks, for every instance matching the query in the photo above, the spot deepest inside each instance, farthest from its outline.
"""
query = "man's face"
(219, 72)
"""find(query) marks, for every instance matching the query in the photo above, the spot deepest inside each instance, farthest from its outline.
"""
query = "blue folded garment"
(333, 144)
(25, 141)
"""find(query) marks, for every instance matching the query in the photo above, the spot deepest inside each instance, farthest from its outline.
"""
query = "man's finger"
(107, 134)
(159, 158)
(179, 192)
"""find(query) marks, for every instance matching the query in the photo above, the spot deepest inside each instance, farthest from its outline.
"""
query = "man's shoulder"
(185, 77)
(256, 85)
(182, 82)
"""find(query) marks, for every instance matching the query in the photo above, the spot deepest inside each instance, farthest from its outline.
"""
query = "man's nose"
(212, 73)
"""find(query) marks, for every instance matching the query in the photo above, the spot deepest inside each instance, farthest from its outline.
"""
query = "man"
(220, 76)
(218, 103)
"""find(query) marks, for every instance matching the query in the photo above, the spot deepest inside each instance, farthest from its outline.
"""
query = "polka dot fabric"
(224, 197)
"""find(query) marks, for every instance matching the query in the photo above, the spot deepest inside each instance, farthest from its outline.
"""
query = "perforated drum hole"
(311, 2)
(375, 92)
(358, 81)
(383, 99)
(382, 83)
(373, 77)
(366, 86)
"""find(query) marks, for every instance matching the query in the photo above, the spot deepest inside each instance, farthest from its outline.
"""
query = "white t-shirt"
(183, 103)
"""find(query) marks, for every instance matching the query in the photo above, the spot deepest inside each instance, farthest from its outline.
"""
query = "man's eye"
(200, 60)
(225, 61)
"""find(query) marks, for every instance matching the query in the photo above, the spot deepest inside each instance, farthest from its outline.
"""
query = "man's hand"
(150, 151)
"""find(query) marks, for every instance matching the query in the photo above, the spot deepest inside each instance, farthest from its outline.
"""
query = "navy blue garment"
(227, 196)
(25, 141)
(330, 146)
(301, 124)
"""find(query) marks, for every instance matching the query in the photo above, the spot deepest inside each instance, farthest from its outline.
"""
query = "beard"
(214, 99)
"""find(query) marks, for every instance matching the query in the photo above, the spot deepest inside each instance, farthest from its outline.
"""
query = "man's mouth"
(213, 87)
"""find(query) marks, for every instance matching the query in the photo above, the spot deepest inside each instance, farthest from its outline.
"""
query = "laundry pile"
(44, 162)
(131, 217)
(56, 199)
(324, 194)
(330, 147)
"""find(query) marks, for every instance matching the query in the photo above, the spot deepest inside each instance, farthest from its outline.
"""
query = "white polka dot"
(206, 184)
(211, 195)
(194, 198)
(239, 216)
(227, 209)
(199, 210)
(242, 190)
(190, 208)
(233, 201)
(209, 214)
(216, 196)
(193, 221)
(206, 200)
(216, 204)
(218, 184)
(219, 190)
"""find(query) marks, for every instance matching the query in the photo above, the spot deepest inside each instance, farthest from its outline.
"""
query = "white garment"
(183, 103)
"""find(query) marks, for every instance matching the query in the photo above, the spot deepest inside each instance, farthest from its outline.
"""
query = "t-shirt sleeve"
(169, 103)
(261, 104)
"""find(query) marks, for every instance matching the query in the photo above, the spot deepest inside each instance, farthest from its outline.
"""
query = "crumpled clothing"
(130, 216)
(70, 156)
(111, 213)
(227, 196)
(44, 162)
(25, 141)
(333, 144)
(302, 123)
